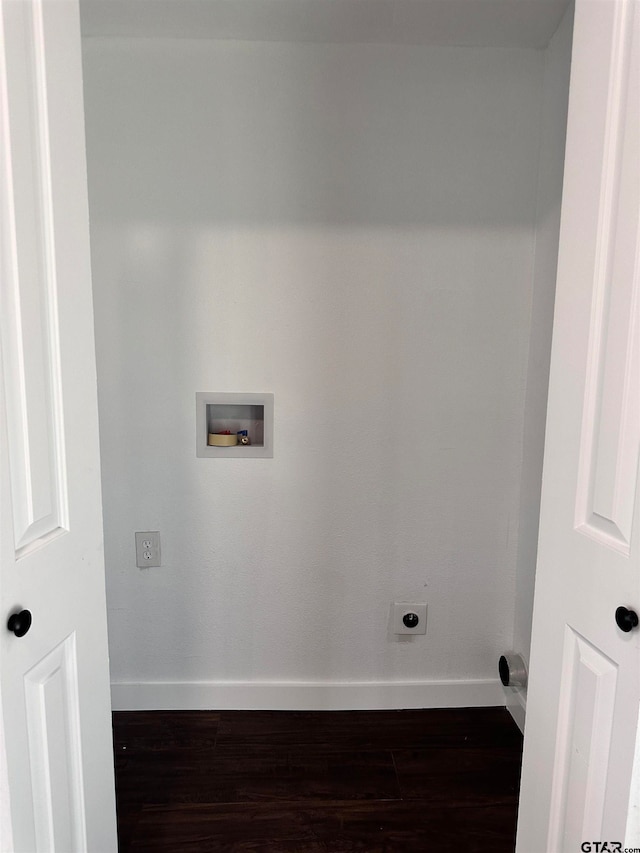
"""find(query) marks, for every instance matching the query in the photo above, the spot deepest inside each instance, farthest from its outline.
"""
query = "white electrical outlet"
(148, 549)
(409, 618)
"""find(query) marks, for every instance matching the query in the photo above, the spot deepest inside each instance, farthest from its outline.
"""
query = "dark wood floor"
(433, 780)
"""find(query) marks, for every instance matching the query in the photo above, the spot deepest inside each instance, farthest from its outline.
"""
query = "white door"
(56, 774)
(582, 709)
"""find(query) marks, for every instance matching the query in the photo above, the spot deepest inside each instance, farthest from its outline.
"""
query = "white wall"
(350, 227)
(554, 118)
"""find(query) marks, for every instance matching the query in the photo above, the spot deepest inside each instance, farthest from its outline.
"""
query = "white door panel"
(582, 709)
(57, 781)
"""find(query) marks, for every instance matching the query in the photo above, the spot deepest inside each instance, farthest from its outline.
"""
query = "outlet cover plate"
(147, 549)
(400, 609)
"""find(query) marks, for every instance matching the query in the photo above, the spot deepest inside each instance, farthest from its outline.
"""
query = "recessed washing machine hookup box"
(219, 413)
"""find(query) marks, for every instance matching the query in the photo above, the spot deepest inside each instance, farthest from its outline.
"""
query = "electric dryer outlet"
(409, 617)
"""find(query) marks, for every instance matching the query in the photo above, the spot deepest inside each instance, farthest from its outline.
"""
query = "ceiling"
(491, 23)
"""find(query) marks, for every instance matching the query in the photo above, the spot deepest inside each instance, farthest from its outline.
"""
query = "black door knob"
(19, 623)
(626, 619)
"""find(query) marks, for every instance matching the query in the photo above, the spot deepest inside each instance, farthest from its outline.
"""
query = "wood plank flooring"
(331, 781)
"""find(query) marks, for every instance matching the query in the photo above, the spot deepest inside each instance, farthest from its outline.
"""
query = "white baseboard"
(516, 702)
(304, 696)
